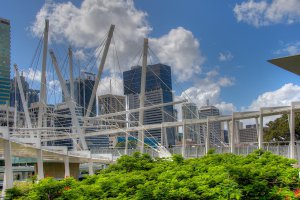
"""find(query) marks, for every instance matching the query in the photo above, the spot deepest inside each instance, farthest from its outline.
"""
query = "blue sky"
(218, 49)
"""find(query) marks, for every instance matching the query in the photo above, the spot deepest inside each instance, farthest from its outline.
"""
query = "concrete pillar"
(229, 133)
(232, 135)
(91, 170)
(67, 166)
(40, 164)
(261, 129)
(257, 126)
(126, 144)
(207, 137)
(166, 137)
(162, 135)
(183, 141)
(292, 132)
(8, 172)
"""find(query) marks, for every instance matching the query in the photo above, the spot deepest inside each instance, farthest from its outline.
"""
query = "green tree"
(278, 130)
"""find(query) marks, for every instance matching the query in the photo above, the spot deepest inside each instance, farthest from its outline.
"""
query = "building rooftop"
(289, 63)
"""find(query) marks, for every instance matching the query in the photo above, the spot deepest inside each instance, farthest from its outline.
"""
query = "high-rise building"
(192, 132)
(214, 127)
(248, 134)
(110, 103)
(4, 61)
(31, 95)
(158, 90)
(83, 88)
(34, 113)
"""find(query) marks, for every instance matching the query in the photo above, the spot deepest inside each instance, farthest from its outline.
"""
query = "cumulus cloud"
(86, 26)
(116, 84)
(290, 48)
(32, 75)
(267, 12)
(281, 97)
(180, 49)
(209, 88)
(225, 56)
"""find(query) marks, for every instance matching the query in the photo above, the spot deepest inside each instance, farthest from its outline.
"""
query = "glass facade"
(158, 90)
(83, 88)
(31, 95)
(4, 61)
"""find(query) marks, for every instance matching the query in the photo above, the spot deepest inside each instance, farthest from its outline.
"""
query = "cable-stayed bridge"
(33, 140)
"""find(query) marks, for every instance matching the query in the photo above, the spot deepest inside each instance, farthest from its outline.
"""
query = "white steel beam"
(100, 70)
(142, 96)
(70, 103)
(43, 94)
(24, 103)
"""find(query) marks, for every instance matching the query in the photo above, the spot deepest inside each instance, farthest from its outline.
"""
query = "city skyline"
(227, 67)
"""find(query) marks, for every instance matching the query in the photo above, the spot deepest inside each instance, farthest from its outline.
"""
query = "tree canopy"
(278, 130)
(260, 175)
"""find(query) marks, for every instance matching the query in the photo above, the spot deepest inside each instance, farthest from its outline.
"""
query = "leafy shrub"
(260, 175)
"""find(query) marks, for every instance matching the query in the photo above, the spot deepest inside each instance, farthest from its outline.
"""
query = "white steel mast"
(100, 70)
(43, 95)
(69, 101)
(141, 133)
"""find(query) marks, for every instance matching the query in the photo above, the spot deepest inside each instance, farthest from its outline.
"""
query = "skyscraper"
(110, 103)
(31, 95)
(158, 90)
(4, 60)
(214, 127)
(83, 88)
(192, 132)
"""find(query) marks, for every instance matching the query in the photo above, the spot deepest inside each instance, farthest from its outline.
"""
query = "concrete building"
(4, 61)
(158, 90)
(214, 127)
(248, 134)
(34, 112)
(7, 115)
(192, 132)
(110, 103)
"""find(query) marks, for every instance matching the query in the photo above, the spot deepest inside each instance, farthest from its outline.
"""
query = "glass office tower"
(158, 90)
(4, 60)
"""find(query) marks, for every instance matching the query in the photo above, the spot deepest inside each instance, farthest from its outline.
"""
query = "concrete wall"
(57, 170)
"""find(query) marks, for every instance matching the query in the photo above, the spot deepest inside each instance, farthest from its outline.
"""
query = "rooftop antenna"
(207, 102)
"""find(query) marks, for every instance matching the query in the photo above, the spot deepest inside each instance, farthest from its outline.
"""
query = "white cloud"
(86, 26)
(116, 83)
(290, 48)
(180, 49)
(54, 86)
(225, 56)
(226, 108)
(281, 97)
(209, 88)
(32, 75)
(267, 12)
(79, 54)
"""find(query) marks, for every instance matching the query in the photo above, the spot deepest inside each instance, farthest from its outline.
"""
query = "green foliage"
(260, 175)
(279, 129)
